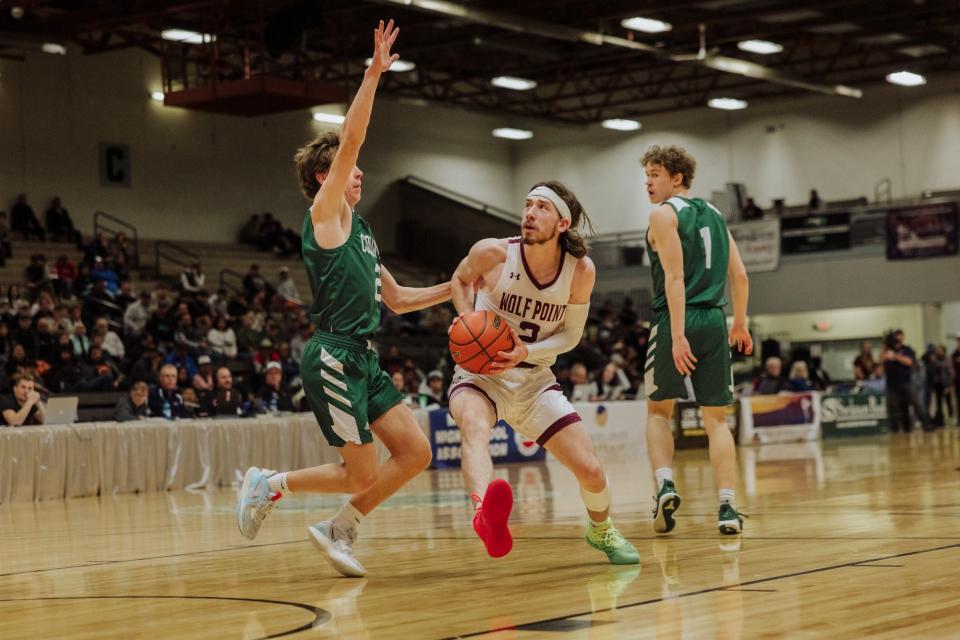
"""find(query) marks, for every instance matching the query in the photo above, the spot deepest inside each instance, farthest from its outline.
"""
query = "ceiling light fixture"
(763, 47)
(398, 66)
(620, 124)
(185, 35)
(512, 134)
(516, 84)
(328, 118)
(727, 104)
(906, 79)
(54, 48)
(646, 25)
(156, 96)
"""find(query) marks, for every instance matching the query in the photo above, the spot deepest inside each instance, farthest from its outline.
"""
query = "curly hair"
(572, 239)
(315, 157)
(674, 159)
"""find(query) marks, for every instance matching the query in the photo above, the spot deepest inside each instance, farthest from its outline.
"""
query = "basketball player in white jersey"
(540, 283)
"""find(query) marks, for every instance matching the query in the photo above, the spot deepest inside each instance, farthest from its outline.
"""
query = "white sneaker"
(337, 545)
(255, 501)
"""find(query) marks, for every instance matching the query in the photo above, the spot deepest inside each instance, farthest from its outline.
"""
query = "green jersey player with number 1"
(350, 395)
(692, 254)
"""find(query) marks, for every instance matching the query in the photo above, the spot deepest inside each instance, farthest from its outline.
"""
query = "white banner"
(759, 244)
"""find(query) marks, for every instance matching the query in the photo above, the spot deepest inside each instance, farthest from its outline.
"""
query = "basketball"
(476, 340)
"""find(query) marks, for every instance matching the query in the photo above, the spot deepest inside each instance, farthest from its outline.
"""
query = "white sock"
(662, 474)
(278, 482)
(348, 517)
(728, 496)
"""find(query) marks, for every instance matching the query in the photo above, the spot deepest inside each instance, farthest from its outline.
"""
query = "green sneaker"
(666, 504)
(728, 520)
(612, 543)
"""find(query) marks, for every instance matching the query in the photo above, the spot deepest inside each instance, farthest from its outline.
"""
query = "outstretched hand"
(383, 39)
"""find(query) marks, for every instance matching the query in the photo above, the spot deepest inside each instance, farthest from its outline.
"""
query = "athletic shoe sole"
(244, 490)
(730, 527)
(496, 507)
(667, 505)
(325, 546)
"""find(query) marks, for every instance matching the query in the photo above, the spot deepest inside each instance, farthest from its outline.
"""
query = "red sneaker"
(490, 520)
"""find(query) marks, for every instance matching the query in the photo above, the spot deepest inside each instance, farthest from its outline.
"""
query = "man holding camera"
(899, 361)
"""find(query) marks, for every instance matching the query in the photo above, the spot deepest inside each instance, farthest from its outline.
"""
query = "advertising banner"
(506, 445)
(787, 417)
(688, 425)
(927, 231)
(863, 414)
(759, 244)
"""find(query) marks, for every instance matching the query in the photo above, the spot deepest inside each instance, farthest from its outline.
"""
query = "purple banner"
(926, 231)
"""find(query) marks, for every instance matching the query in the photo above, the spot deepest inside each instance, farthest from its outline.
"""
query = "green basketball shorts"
(345, 387)
(711, 383)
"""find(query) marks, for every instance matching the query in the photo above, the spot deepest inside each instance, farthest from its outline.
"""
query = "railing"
(99, 226)
(117, 309)
(465, 200)
(233, 274)
(173, 253)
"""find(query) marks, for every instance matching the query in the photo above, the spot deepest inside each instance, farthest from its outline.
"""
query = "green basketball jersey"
(706, 249)
(345, 282)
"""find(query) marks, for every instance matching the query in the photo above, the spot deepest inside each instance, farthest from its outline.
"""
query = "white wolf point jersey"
(535, 311)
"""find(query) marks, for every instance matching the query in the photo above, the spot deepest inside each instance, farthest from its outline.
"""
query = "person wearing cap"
(288, 288)
(273, 397)
(432, 391)
(203, 380)
(265, 353)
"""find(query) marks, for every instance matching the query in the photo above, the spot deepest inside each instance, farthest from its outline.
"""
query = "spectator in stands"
(133, 405)
(180, 357)
(22, 407)
(103, 270)
(82, 283)
(273, 397)
(120, 248)
(125, 297)
(288, 288)
(940, 379)
(6, 248)
(165, 400)
(248, 338)
(80, 341)
(611, 384)
(815, 201)
(60, 224)
(291, 368)
(799, 379)
(392, 360)
(218, 303)
(818, 375)
(19, 361)
(200, 304)
(751, 211)
(66, 275)
(99, 302)
(250, 230)
(147, 365)
(236, 305)
(47, 348)
(35, 276)
(203, 381)
(581, 388)
(222, 339)
(770, 382)
(6, 344)
(44, 305)
(264, 354)
(24, 220)
(99, 246)
(112, 344)
(189, 335)
(899, 360)
(864, 359)
(628, 315)
(25, 334)
(299, 341)
(120, 266)
(17, 298)
(253, 283)
(162, 322)
(433, 389)
(224, 400)
(192, 278)
(136, 316)
(108, 374)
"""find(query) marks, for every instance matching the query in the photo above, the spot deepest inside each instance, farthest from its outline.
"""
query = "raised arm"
(328, 202)
(740, 288)
(663, 230)
(483, 257)
(406, 299)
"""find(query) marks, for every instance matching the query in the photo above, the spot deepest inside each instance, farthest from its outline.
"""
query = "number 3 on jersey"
(534, 330)
(707, 244)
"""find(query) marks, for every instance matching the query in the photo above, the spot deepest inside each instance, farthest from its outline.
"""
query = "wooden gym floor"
(846, 539)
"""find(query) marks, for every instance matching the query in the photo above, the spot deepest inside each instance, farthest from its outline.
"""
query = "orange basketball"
(476, 340)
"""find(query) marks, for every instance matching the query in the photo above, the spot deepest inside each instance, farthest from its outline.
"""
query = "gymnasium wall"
(199, 176)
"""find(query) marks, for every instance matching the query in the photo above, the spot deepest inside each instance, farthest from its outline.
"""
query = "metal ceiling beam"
(569, 34)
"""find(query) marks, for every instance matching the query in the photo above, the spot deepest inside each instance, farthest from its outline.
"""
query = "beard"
(540, 237)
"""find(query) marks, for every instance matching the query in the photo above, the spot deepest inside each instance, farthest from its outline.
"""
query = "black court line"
(320, 616)
(878, 565)
(751, 590)
(703, 591)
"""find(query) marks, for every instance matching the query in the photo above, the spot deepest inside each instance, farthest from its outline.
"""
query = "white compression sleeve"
(564, 340)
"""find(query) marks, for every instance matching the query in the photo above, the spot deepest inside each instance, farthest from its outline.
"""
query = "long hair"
(572, 240)
(315, 157)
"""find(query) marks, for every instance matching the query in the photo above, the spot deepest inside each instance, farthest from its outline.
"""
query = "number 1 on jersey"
(707, 245)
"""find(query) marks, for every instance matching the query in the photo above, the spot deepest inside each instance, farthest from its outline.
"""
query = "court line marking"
(519, 627)
(320, 616)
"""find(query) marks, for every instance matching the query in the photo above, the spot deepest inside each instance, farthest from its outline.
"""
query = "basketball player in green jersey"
(350, 395)
(692, 254)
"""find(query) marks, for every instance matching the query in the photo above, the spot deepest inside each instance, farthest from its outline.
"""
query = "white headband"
(551, 195)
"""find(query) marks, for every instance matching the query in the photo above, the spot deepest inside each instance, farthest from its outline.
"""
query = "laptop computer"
(62, 410)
